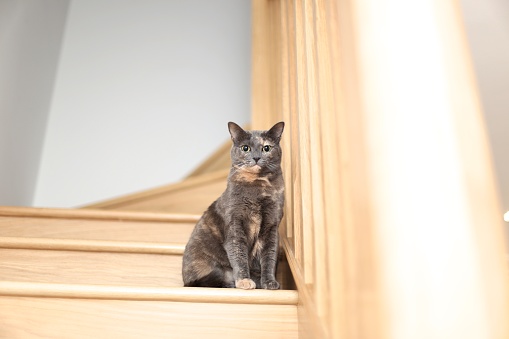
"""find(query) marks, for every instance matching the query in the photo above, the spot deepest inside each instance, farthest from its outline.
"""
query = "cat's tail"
(216, 278)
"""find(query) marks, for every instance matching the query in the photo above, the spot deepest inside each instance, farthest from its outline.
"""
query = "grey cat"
(235, 243)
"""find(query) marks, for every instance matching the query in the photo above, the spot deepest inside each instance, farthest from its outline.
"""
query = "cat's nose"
(256, 159)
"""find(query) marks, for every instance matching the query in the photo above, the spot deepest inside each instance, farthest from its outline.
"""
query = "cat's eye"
(245, 148)
(266, 148)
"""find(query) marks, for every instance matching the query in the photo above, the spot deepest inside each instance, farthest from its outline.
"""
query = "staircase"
(113, 269)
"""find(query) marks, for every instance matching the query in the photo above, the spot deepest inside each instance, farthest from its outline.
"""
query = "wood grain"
(78, 267)
(91, 214)
(77, 318)
(393, 202)
(180, 294)
(68, 231)
(193, 200)
(91, 245)
(433, 155)
(105, 230)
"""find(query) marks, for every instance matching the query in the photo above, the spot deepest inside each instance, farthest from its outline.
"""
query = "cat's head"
(256, 151)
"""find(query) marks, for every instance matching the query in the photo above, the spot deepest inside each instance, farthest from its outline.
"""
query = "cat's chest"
(254, 223)
(262, 200)
(262, 207)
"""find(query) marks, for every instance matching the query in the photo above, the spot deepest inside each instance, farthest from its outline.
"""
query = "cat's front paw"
(246, 284)
(270, 285)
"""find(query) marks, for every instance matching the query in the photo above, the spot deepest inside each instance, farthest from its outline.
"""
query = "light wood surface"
(99, 273)
(432, 155)
(298, 102)
(78, 318)
(191, 196)
(95, 214)
(106, 230)
(392, 222)
(91, 245)
(180, 294)
(80, 267)
(45, 238)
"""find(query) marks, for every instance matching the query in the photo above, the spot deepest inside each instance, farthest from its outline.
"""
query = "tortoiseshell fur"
(235, 243)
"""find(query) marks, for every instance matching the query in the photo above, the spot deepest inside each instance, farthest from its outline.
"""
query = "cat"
(236, 241)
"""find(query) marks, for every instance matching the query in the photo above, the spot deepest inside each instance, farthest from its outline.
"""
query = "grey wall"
(487, 23)
(30, 38)
(143, 94)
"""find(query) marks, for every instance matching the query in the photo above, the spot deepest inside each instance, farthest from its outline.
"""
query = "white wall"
(30, 37)
(143, 94)
(487, 23)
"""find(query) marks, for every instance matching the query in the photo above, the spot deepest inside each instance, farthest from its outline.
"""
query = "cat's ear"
(237, 133)
(276, 131)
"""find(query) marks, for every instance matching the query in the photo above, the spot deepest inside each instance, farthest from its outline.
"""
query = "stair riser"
(111, 230)
(53, 318)
(101, 268)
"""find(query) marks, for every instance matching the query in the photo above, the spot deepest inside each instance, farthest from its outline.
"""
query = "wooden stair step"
(42, 310)
(192, 195)
(91, 245)
(95, 225)
(81, 267)
(51, 318)
(177, 294)
(78, 246)
(101, 274)
(68, 261)
(41, 245)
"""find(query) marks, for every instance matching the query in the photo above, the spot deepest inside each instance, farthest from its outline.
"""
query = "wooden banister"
(392, 227)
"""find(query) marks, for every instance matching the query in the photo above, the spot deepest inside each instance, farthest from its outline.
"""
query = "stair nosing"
(95, 214)
(133, 293)
(91, 245)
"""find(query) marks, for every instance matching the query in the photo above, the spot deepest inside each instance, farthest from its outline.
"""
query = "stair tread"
(68, 261)
(92, 247)
(131, 319)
